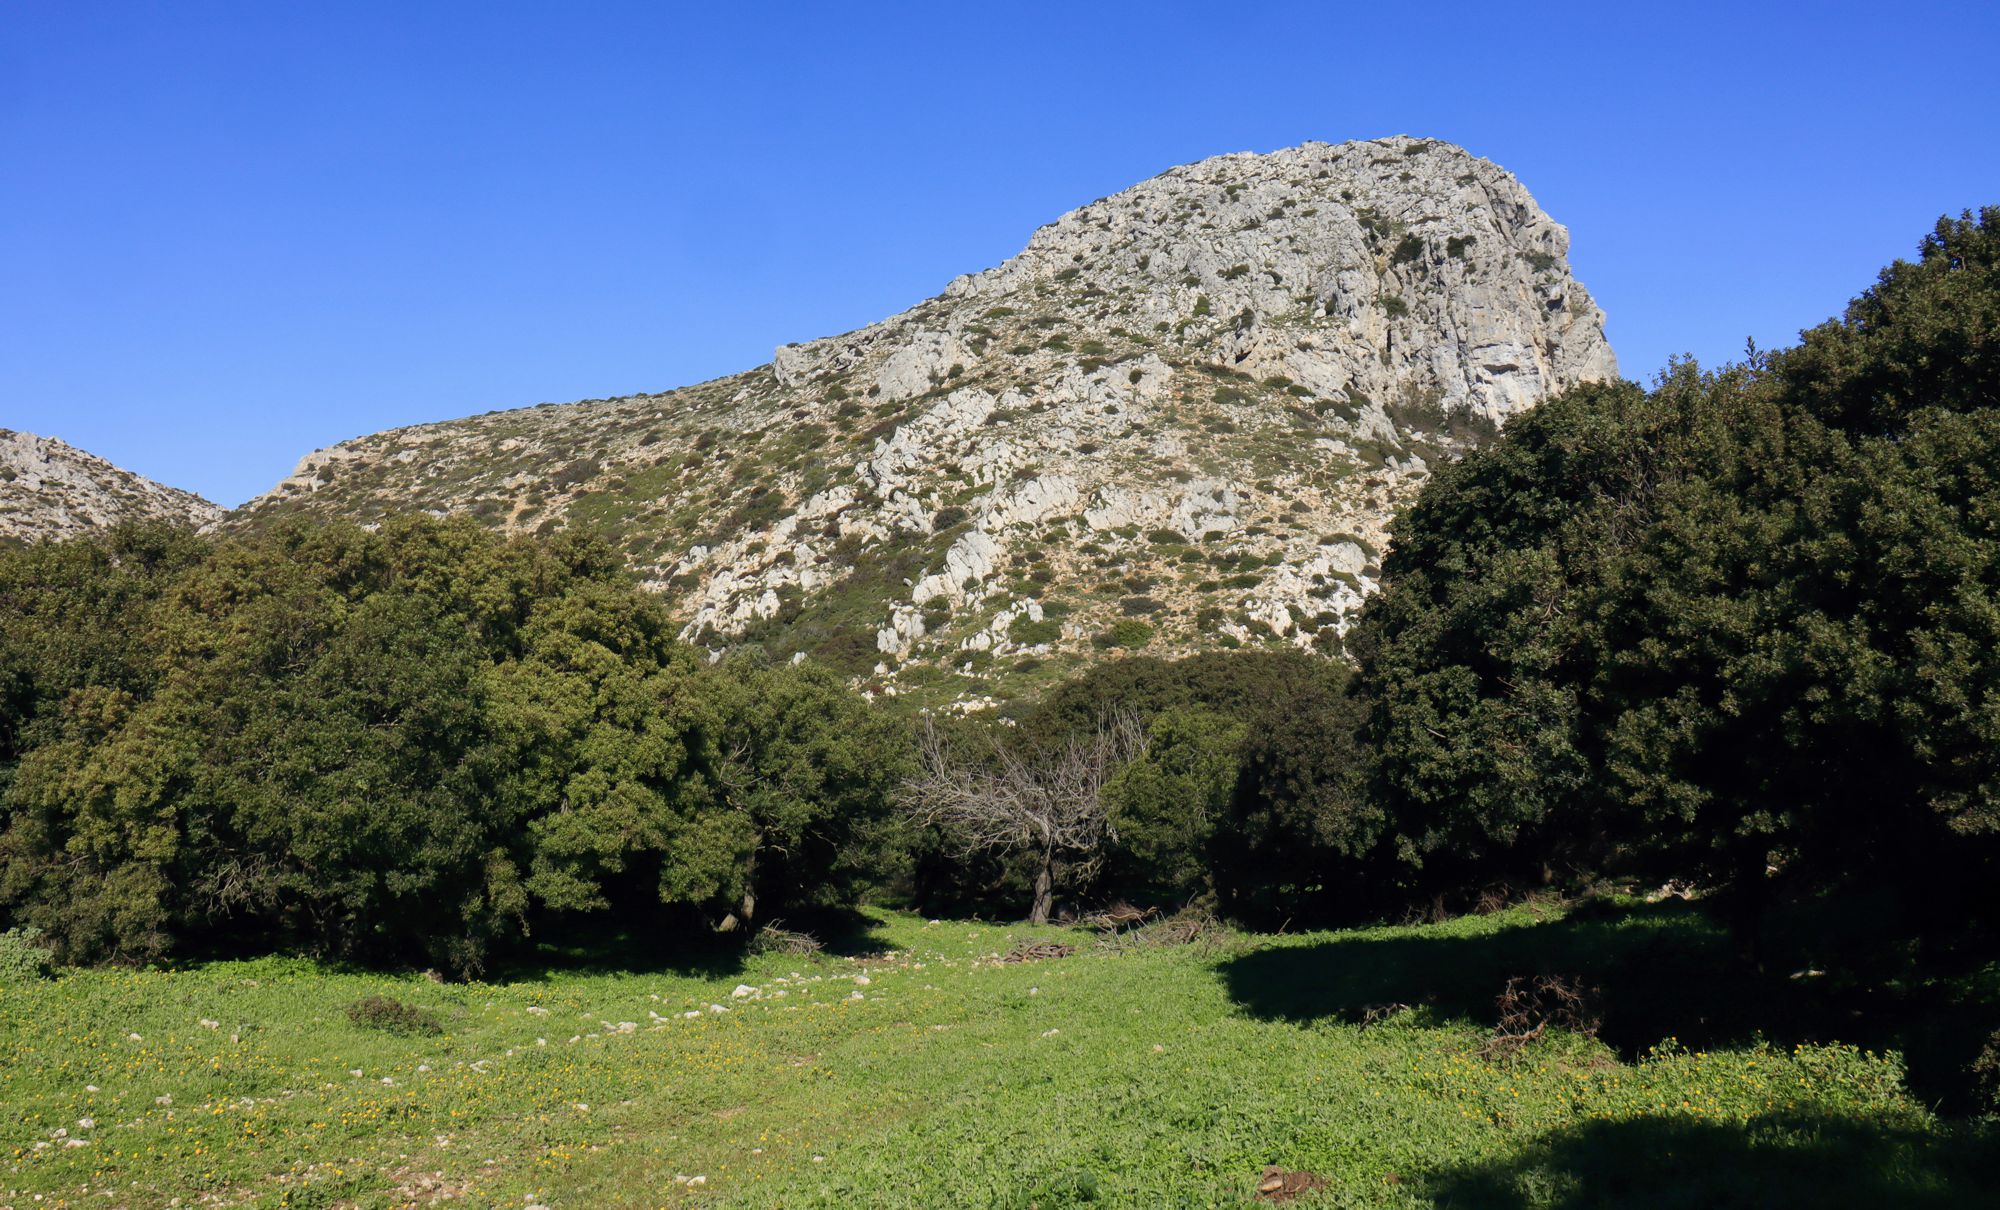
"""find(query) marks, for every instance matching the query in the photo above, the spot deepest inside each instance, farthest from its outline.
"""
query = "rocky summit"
(51, 489)
(1182, 417)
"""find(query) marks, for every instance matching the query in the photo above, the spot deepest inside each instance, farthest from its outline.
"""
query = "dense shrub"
(1301, 832)
(1247, 764)
(403, 742)
(1986, 1074)
(23, 956)
(1126, 632)
(1029, 633)
(1231, 684)
(1745, 624)
(393, 1016)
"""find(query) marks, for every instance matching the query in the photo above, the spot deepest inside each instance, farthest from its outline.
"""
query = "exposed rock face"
(1182, 416)
(51, 489)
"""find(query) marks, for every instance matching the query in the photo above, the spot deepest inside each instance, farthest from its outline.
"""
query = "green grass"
(1159, 1077)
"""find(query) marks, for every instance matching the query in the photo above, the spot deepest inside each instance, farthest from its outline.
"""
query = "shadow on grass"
(1670, 1164)
(844, 934)
(1656, 971)
(688, 949)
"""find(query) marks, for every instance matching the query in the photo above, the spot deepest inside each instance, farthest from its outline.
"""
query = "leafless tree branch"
(1048, 803)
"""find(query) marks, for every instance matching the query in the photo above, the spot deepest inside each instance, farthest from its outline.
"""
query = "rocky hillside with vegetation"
(51, 489)
(1181, 418)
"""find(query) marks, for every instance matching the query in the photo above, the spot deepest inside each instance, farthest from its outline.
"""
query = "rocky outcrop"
(1181, 417)
(51, 489)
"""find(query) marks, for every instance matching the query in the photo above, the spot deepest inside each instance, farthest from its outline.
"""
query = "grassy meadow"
(906, 1066)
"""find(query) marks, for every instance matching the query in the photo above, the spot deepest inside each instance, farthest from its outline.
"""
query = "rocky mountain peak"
(1181, 417)
(51, 489)
(1435, 264)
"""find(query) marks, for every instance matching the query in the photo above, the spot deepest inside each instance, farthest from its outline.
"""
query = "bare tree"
(1048, 803)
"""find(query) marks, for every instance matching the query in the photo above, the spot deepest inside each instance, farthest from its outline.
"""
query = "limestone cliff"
(51, 489)
(1182, 416)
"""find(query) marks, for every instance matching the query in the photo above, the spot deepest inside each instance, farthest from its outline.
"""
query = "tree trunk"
(747, 909)
(745, 915)
(1750, 893)
(1045, 882)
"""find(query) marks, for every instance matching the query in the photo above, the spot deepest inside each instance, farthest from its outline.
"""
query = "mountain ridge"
(1180, 417)
(50, 489)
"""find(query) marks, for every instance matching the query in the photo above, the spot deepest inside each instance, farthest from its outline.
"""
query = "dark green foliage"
(1247, 781)
(1126, 632)
(24, 956)
(1030, 633)
(1986, 1073)
(407, 741)
(1749, 620)
(1300, 823)
(63, 608)
(391, 1015)
(1228, 684)
(1922, 339)
(800, 773)
(1165, 808)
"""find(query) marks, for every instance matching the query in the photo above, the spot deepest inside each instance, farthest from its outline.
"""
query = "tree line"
(1740, 629)
(413, 742)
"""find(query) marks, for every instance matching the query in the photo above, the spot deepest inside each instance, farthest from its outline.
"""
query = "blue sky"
(231, 233)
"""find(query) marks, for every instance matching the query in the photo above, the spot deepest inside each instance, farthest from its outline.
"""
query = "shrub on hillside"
(1126, 632)
(1030, 633)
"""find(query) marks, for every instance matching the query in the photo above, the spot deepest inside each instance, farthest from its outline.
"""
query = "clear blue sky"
(230, 233)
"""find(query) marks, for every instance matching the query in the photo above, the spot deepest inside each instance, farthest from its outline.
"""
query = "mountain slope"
(51, 489)
(1182, 416)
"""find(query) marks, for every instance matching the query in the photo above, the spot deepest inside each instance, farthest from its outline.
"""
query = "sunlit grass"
(1159, 1077)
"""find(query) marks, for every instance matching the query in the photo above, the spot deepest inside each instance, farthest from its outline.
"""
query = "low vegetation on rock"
(51, 489)
(1187, 383)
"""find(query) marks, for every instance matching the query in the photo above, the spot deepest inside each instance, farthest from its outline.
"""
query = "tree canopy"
(1745, 622)
(415, 740)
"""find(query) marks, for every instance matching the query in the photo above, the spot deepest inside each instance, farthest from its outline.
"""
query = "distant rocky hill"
(51, 489)
(1183, 416)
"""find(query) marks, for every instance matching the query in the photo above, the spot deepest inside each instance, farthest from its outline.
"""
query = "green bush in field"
(1246, 786)
(23, 956)
(391, 1015)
